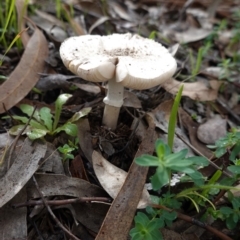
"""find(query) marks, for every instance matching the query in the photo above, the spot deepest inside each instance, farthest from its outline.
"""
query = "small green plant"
(231, 215)
(43, 122)
(147, 225)
(227, 68)
(9, 22)
(201, 194)
(67, 149)
(167, 162)
(145, 228)
(230, 142)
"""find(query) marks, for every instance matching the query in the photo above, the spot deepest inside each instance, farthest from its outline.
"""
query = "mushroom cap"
(136, 62)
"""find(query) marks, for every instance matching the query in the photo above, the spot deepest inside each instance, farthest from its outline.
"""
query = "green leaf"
(226, 210)
(28, 110)
(160, 178)
(235, 151)
(234, 169)
(220, 151)
(162, 149)
(22, 119)
(46, 117)
(235, 217)
(141, 218)
(200, 161)
(230, 223)
(173, 117)
(147, 161)
(178, 163)
(69, 128)
(36, 133)
(176, 157)
(15, 130)
(82, 113)
(34, 124)
(183, 169)
(236, 203)
(169, 215)
(62, 99)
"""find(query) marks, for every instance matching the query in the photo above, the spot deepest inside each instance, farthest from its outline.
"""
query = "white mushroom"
(124, 60)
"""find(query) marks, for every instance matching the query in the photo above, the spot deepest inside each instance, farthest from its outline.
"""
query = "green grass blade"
(173, 118)
(8, 18)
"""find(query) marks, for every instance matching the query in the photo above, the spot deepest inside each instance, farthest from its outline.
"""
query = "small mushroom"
(124, 60)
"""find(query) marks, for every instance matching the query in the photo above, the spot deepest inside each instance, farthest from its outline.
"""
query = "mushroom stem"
(113, 102)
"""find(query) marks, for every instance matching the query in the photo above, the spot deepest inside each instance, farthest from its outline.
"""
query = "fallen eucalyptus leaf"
(195, 90)
(112, 178)
(26, 74)
(22, 169)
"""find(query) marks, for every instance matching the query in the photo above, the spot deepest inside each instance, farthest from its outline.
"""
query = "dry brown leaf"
(119, 218)
(58, 184)
(22, 169)
(192, 35)
(14, 221)
(84, 133)
(26, 74)
(112, 178)
(89, 214)
(100, 21)
(197, 90)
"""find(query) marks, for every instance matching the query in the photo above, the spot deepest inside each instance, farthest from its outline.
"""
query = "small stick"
(62, 202)
(51, 212)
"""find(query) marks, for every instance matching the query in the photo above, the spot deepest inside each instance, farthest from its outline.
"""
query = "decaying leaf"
(22, 169)
(112, 178)
(196, 90)
(84, 133)
(191, 35)
(57, 184)
(26, 74)
(14, 221)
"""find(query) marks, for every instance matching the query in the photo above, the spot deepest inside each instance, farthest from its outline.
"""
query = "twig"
(62, 202)
(51, 212)
(195, 222)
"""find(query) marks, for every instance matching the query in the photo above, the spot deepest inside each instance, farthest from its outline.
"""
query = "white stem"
(113, 101)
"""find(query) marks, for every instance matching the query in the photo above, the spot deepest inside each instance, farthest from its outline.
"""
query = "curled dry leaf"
(196, 90)
(26, 74)
(112, 178)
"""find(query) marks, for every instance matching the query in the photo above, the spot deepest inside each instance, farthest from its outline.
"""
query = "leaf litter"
(143, 118)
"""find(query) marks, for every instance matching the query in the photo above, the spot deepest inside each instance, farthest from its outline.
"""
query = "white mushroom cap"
(134, 61)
